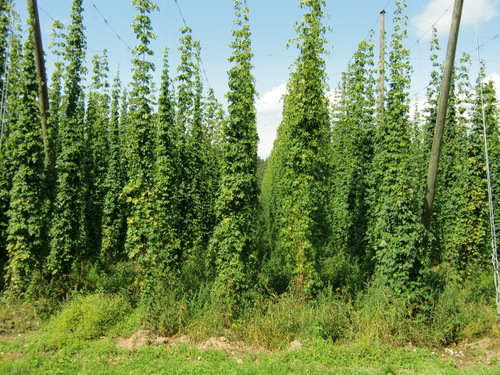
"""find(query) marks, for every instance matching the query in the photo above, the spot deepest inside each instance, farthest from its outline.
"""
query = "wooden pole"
(43, 92)
(40, 67)
(381, 80)
(441, 115)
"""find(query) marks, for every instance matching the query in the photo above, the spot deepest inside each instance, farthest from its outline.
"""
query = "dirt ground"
(233, 348)
(467, 354)
(485, 351)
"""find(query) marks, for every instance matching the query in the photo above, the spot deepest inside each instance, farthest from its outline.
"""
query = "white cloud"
(269, 114)
(333, 96)
(418, 105)
(495, 77)
(440, 12)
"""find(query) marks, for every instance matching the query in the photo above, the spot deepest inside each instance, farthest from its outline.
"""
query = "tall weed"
(21, 315)
(276, 321)
(464, 310)
(90, 316)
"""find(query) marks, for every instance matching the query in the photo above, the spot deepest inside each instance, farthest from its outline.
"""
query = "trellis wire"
(496, 263)
(494, 255)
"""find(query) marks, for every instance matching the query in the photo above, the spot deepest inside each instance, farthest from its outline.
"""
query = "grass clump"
(90, 316)
(18, 315)
(381, 317)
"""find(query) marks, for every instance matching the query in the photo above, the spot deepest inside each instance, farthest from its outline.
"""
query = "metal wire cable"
(110, 27)
(494, 258)
(432, 26)
(186, 25)
(494, 255)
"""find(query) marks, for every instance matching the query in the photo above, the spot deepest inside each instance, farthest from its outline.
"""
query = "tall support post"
(40, 68)
(381, 66)
(441, 115)
(42, 83)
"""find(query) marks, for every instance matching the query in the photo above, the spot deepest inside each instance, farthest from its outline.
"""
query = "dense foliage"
(28, 211)
(234, 237)
(295, 186)
(394, 228)
(352, 154)
(69, 232)
(157, 188)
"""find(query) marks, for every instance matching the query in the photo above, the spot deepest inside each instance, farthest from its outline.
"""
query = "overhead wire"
(432, 26)
(370, 30)
(482, 45)
(181, 14)
(110, 27)
(201, 60)
(46, 13)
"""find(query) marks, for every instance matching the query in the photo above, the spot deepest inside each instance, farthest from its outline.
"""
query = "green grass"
(37, 355)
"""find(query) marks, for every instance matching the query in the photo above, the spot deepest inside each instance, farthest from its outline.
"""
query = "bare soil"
(467, 354)
(485, 351)
(143, 337)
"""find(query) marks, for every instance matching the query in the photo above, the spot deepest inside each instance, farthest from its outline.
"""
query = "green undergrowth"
(433, 319)
(372, 332)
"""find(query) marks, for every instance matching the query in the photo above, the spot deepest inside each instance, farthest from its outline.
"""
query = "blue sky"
(272, 26)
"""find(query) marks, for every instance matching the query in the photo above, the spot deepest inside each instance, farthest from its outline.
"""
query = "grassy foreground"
(96, 334)
(43, 354)
(448, 330)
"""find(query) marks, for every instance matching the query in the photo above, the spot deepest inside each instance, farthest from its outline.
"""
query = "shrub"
(90, 316)
(342, 272)
(463, 311)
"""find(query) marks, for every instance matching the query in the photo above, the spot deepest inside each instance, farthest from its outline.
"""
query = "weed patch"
(89, 317)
